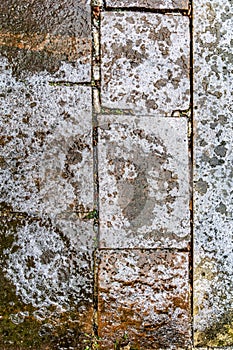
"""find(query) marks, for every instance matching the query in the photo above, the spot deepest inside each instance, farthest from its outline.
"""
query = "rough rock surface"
(213, 256)
(145, 62)
(47, 238)
(144, 300)
(49, 38)
(153, 4)
(46, 134)
(144, 187)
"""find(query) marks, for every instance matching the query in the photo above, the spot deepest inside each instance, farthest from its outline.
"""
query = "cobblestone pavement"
(116, 174)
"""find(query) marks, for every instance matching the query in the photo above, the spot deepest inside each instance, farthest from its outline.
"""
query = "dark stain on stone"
(139, 199)
(132, 174)
(214, 162)
(36, 36)
(151, 104)
(221, 150)
(134, 56)
(74, 154)
(218, 334)
(201, 186)
(222, 209)
(162, 36)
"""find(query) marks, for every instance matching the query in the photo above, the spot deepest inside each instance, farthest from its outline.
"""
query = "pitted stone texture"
(46, 288)
(46, 157)
(144, 300)
(153, 4)
(47, 238)
(213, 248)
(49, 264)
(52, 39)
(145, 62)
(143, 182)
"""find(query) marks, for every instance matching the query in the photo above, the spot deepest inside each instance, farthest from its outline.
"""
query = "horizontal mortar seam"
(183, 12)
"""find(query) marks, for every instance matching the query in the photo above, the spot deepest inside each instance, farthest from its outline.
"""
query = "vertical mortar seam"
(191, 150)
(95, 94)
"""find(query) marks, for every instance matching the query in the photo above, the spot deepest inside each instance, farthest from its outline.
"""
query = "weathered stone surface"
(222, 348)
(213, 249)
(153, 4)
(144, 300)
(46, 158)
(145, 62)
(46, 279)
(52, 39)
(143, 182)
(47, 238)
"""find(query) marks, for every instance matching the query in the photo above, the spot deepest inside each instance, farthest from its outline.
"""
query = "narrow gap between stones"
(69, 83)
(191, 151)
(95, 84)
(145, 9)
(173, 250)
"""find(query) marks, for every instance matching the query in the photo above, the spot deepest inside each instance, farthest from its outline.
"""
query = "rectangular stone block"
(153, 4)
(213, 174)
(47, 165)
(144, 300)
(145, 62)
(143, 182)
(47, 38)
(46, 290)
(47, 238)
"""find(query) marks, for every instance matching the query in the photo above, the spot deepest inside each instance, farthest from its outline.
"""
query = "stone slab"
(46, 137)
(213, 174)
(153, 4)
(47, 38)
(46, 290)
(143, 182)
(145, 62)
(47, 238)
(144, 300)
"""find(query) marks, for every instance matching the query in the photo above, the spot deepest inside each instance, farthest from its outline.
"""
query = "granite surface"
(153, 4)
(144, 300)
(213, 173)
(145, 62)
(143, 182)
(46, 211)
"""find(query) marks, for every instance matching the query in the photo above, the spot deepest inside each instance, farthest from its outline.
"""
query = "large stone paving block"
(144, 185)
(46, 37)
(213, 174)
(144, 300)
(46, 157)
(46, 288)
(153, 4)
(47, 238)
(145, 62)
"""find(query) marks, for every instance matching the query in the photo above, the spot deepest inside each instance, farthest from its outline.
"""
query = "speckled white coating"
(213, 174)
(47, 147)
(153, 4)
(46, 180)
(143, 182)
(145, 62)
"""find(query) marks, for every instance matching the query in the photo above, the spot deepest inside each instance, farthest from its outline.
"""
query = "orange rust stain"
(55, 44)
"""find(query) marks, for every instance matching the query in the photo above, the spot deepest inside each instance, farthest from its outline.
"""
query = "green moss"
(19, 328)
(219, 334)
(56, 331)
